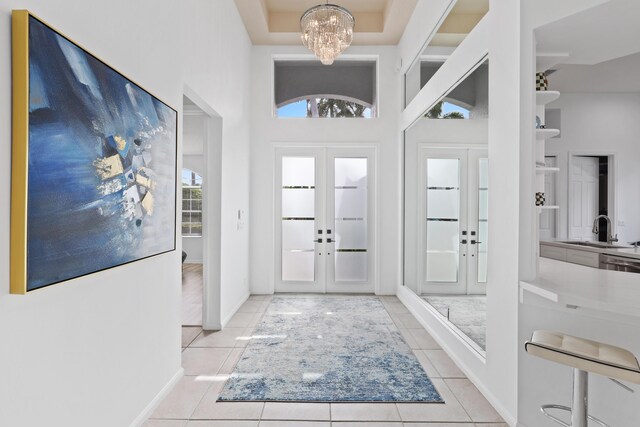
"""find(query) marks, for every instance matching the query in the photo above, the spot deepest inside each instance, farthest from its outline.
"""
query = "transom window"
(191, 203)
(309, 89)
(324, 107)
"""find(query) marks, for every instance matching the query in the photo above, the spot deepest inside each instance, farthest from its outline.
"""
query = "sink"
(601, 245)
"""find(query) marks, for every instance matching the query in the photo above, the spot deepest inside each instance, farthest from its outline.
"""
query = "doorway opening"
(192, 247)
(193, 232)
(591, 190)
(201, 213)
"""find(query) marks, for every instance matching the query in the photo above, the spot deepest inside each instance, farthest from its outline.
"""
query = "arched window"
(325, 106)
(447, 110)
(191, 203)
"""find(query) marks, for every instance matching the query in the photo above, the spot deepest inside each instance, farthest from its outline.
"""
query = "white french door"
(325, 221)
(453, 196)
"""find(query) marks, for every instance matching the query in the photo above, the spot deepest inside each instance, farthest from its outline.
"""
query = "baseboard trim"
(235, 309)
(146, 412)
(427, 319)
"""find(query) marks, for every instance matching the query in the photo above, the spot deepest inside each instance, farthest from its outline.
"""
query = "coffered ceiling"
(273, 22)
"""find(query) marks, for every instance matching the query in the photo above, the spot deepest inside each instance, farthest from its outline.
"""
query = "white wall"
(217, 63)
(602, 123)
(95, 350)
(268, 130)
(495, 376)
(425, 20)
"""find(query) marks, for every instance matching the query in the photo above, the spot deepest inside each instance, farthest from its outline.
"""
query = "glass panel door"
(349, 217)
(478, 221)
(298, 219)
(324, 224)
(444, 254)
(455, 221)
(299, 265)
(350, 214)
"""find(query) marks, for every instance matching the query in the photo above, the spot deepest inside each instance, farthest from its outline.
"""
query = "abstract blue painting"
(101, 164)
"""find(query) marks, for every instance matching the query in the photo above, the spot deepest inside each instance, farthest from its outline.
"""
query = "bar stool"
(583, 356)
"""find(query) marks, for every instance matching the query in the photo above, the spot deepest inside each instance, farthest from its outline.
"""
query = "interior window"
(308, 89)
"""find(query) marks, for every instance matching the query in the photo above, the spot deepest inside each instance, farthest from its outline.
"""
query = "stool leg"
(579, 407)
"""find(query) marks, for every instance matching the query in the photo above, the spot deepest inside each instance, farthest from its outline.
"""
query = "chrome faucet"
(596, 228)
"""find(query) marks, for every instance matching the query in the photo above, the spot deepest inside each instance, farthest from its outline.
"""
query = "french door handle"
(473, 242)
(329, 240)
(318, 241)
(463, 241)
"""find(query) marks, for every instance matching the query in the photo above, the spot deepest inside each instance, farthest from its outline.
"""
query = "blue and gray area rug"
(328, 349)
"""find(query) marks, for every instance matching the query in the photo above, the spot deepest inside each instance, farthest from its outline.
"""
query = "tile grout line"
(457, 400)
(194, 338)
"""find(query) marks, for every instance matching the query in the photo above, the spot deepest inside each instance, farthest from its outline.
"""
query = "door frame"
(612, 185)
(211, 212)
(373, 226)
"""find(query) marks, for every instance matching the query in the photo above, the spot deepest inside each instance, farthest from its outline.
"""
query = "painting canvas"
(101, 168)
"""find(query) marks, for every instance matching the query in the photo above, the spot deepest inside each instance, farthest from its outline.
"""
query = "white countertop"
(629, 251)
(570, 284)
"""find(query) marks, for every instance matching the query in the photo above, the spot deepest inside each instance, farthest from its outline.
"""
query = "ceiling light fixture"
(327, 30)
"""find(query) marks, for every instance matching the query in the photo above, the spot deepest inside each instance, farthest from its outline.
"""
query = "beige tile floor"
(209, 357)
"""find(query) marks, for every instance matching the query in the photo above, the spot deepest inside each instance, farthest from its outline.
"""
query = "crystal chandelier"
(327, 30)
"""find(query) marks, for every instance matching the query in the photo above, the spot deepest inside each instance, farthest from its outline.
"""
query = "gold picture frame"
(19, 150)
(142, 186)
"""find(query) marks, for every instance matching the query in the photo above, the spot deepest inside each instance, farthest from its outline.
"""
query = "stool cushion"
(586, 355)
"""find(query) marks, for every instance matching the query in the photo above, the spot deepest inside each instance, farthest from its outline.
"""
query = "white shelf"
(542, 134)
(541, 208)
(544, 97)
(546, 169)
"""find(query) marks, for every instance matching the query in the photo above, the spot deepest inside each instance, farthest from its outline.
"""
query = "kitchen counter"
(573, 285)
(629, 252)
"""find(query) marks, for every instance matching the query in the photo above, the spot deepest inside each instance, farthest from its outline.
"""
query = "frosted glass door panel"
(483, 219)
(351, 234)
(443, 204)
(350, 170)
(443, 225)
(298, 203)
(443, 172)
(351, 203)
(298, 171)
(351, 266)
(298, 219)
(483, 204)
(298, 235)
(298, 266)
(443, 236)
(350, 195)
(442, 267)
